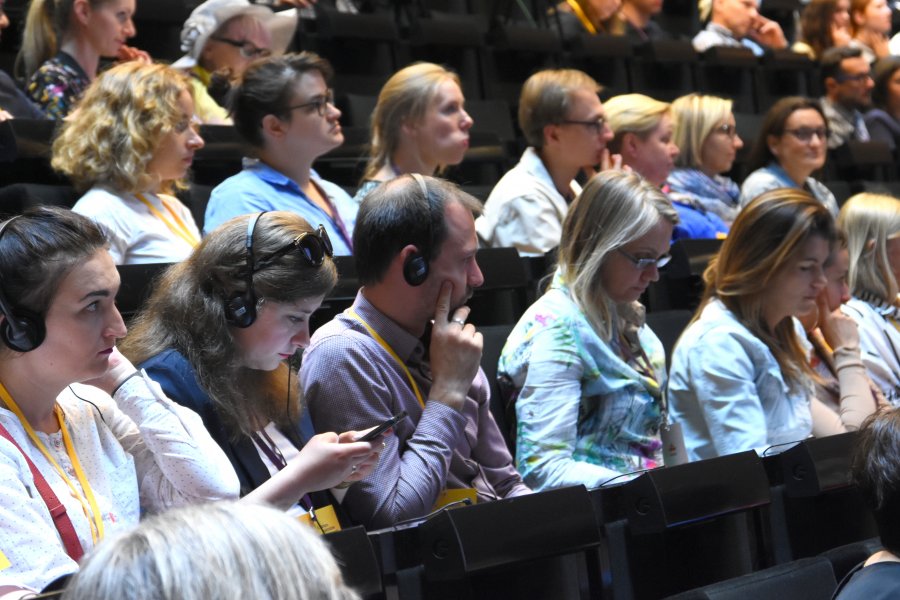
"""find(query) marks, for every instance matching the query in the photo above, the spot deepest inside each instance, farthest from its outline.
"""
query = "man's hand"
(767, 33)
(455, 352)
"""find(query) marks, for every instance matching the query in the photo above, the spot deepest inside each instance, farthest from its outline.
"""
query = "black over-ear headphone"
(415, 267)
(240, 309)
(21, 330)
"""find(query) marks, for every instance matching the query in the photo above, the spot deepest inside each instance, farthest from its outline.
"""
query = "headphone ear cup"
(415, 269)
(22, 331)
(240, 311)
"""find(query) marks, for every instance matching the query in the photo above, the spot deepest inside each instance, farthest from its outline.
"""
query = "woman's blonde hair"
(633, 113)
(186, 312)
(404, 98)
(766, 236)
(870, 220)
(121, 121)
(695, 117)
(45, 25)
(545, 100)
(224, 550)
(613, 209)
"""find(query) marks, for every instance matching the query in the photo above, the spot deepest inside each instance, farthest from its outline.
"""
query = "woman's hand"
(128, 53)
(328, 460)
(838, 329)
(120, 369)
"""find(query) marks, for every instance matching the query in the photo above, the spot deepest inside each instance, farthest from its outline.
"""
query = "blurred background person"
(870, 23)
(707, 139)
(419, 125)
(790, 147)
(824, 24)
(883, 119)
(131, 148)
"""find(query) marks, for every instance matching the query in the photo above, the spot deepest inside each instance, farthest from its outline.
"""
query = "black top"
(880, 581)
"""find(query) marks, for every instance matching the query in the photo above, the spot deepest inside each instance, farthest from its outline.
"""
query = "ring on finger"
(459, 321)
(353, 469)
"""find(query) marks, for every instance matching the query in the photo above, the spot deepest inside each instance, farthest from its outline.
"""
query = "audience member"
(708, 141)
(216, 334)
(737, 23)
(283, 108)
(63, 43)
(131, 146)
(883, 119)
(875, 471)
(643, 136)
(13, 102)
(847, 78)
(637, 18)
(415, 258)
(226, 551)
(870, 21)
(790, 147)
(824, 24)
(82, 428)
(587, 373)
(420, 125)
(845, 395)
(221, 38)
(566, 129)
(872, 224)
(740, 379)
(586, 17)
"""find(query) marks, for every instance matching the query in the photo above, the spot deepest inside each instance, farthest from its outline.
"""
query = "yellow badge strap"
(87, 500)
(579, 12)
(178, 227)
(412, 382)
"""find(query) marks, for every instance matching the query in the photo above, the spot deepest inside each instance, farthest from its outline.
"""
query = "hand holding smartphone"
(380, 429)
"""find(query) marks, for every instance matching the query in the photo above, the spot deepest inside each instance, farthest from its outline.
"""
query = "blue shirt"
(259, 187)
(697, 223)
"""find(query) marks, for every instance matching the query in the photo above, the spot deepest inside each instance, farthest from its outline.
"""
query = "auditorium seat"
(494, 339)
(731, 73)
(844, 558)
(805, 579)
(606, 58)
(664, 69)
(782, 73)
(668, 326)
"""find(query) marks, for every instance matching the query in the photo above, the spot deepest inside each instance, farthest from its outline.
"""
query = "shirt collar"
(407, 346)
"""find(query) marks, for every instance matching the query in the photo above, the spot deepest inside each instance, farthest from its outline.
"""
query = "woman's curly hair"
(120, 121)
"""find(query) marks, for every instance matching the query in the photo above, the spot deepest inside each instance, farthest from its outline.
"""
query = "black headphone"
(415, 267)
(240, 309)
(21, 330)
(314, 246)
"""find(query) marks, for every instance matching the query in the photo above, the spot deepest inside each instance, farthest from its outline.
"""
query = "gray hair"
(226, 551)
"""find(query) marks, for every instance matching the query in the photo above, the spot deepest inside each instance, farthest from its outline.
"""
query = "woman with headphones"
(218, 333)
(80, 428)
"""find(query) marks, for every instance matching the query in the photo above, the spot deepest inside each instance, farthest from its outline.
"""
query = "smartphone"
(375, 433)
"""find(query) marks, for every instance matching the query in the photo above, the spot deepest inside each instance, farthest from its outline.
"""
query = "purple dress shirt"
(350, 383)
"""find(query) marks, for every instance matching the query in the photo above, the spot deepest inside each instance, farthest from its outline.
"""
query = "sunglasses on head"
(314, 246)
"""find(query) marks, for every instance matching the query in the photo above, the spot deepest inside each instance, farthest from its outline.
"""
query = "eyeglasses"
(727, 129)
(597, 125)
(248, 50)
(313, 245)
(321, 103)
(805, 134)
(858, 78)
(646, 263)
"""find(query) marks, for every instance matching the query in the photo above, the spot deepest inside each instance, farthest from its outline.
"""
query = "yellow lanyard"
(87, 500)
(579, 12)
(178, 227)
(412, 382)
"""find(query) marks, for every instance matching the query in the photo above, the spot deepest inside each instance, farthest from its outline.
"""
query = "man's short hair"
(545, 100)
(833, 57)
(396, 214)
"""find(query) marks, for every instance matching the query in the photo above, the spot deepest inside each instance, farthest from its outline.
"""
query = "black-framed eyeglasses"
(646, 263)
(727, 129)
(597, 125)
(313, 245)
(321, 103)
(248, 50)
(858, 78)
(805, 134)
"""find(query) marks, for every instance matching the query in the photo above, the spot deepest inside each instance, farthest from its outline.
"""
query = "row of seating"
(738, 526)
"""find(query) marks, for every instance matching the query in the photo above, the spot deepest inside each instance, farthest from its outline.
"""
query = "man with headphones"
(405, 345)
